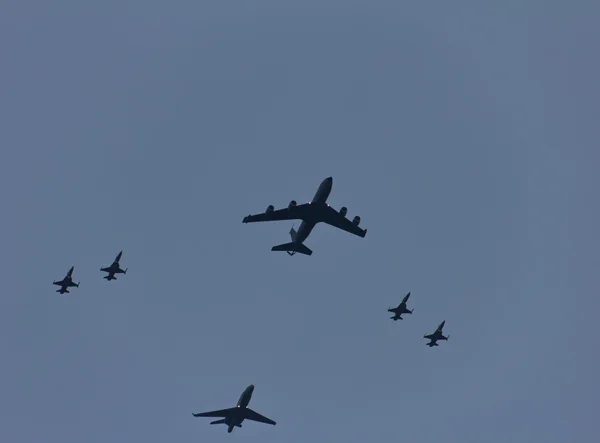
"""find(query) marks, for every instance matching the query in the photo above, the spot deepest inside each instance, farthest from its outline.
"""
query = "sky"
(465, 136)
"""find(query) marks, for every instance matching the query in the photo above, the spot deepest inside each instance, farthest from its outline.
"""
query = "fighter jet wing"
(219, 413)
(255, 416)
(337, 220)
(293, 213)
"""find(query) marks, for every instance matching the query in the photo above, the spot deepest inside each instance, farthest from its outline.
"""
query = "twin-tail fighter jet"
(66, 282)
(114, 269)
(311, 213)
(401, 309)
(437, 335)
(233, 417)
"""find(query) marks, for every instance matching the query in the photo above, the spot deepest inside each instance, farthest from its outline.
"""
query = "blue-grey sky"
(466, 137)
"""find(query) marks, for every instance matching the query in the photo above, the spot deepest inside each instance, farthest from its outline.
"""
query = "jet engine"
(270, 208)
(292, 204)
(356, 220)
(343, 211)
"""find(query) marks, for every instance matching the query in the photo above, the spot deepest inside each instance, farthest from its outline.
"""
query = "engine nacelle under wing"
(270, 208)
(292, 204)
(343, 211)
(356, 220)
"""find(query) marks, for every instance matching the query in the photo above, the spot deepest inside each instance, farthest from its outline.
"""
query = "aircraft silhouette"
(114, 268)
(401, 309)
(66, 282)
(311, 213)
(437, 335)
(233, 417)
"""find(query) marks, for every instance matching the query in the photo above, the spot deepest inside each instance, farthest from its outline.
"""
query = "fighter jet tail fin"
(292, 248)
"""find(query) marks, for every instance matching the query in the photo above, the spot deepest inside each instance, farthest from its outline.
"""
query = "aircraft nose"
(329, 179)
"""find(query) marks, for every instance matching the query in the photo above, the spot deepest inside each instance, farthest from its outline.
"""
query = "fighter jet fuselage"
(114, 268)
(437, 335)
(401, 309)
(66, 282)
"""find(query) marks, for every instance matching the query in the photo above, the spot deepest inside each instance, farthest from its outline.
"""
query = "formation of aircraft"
(311, 213)
(315, 211)
(234, 417)
(402, 309)
(113, 269)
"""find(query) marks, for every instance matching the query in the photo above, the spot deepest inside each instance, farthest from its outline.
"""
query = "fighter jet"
(235, 416)
(437, 335)
(401, 309)
(66, 282)
(311, 213)
(114, 268)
